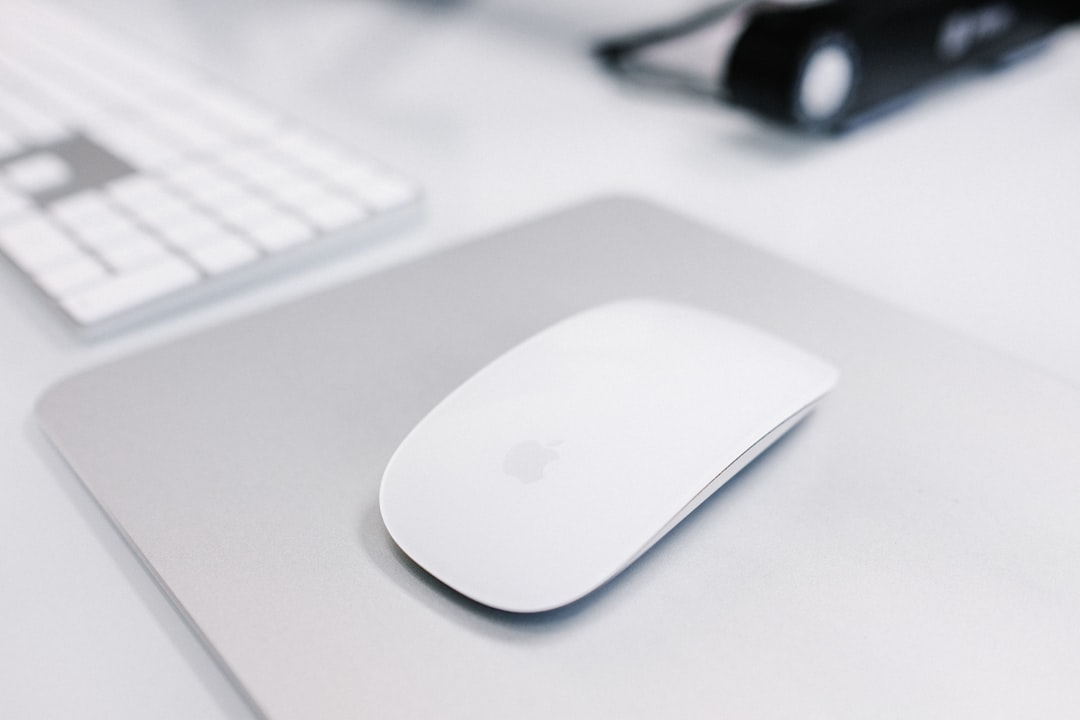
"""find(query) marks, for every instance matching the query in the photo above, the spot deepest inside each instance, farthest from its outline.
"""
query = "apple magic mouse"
(557, 465)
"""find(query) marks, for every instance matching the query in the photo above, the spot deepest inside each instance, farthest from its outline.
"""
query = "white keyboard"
(129, 184)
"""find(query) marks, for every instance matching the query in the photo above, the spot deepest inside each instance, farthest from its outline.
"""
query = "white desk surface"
(963, 208)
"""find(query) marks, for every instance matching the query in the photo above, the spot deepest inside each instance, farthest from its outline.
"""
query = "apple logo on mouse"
(528, 460)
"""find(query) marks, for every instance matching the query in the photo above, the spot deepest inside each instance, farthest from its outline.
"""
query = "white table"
(962, 208)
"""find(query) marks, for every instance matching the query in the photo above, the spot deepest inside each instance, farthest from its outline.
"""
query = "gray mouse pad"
(911, 550)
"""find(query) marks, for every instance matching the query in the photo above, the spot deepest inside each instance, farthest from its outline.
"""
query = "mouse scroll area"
(554, 467)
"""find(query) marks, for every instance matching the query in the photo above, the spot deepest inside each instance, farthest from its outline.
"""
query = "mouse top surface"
(556, 465)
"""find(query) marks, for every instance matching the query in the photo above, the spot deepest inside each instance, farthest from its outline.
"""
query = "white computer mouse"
(558, 464)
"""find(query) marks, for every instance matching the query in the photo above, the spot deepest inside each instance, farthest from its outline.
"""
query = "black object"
(825, 66)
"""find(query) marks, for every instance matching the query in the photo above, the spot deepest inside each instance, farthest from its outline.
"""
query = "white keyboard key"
(11, 203)
(140, 148)
(329, 160)
(104, 85)
(39, 172)
(331, 212)
(137, 189)
(307, 150)
(251, 120)
(283, 233)
(253, 165)
(251, 212)
(70, 275)
(83, 210)
(30, 123)
(9, 144)
(47, 131)
(133, 253)
(221, 201)
(358, 174)
(193, 233)
(148, 200)
(188, 133)
(124, 292)
(285, 183)
(227, 254)
(163, 219)
(100, 237)
(64, 105)
(295, 191)
(220, 195)
(269, 174)
(384, 192)
(34, 243)
(163, 212)
(199, 180)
